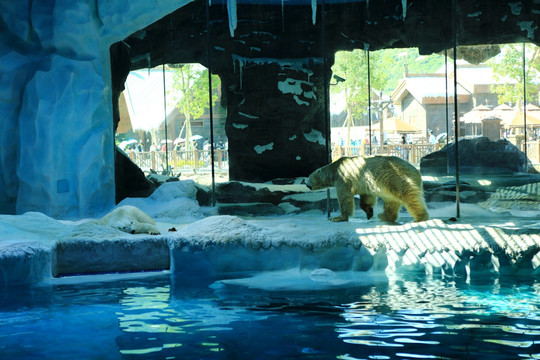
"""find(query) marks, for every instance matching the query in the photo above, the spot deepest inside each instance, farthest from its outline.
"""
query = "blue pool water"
(353, 316)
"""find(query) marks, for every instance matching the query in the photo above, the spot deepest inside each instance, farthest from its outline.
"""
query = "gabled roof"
(477, 114)
(396, 125)
(503, 107)
(428, 89)
(470, 74)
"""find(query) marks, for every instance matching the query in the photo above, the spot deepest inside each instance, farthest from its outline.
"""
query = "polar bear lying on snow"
(131, 220)
(392, 179)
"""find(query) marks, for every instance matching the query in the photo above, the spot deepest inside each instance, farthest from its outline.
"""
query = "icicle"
(404, 6)
(313, 11)
(209, 3)
(231, 8)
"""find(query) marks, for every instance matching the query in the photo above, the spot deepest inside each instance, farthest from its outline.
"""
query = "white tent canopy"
(144, 97)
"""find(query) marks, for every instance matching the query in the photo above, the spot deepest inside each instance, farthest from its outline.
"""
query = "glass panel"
(172, 145)
(533, 114)
(220, 142)
(497, 102)
(349, 104)
(267, 55)
(219, 24)
(409, 117)
(144, 128)
(190, 119)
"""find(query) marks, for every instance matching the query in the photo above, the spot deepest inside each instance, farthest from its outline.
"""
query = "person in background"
(365, 144)
(432, 138)
(404, 148)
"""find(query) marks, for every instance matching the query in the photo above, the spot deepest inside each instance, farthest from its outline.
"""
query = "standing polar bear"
(392, 179)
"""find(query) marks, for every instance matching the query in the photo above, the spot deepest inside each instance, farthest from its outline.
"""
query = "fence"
(199, 160)
(410, 152)
(533, 151)
(195, 160)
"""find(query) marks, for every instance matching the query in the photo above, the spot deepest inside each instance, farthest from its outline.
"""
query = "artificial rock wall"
(277, 129)
(56, 134)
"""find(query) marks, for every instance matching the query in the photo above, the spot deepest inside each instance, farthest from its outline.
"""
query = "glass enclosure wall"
(165, 121)
(497, 164)
(395, 123)
(407, 102)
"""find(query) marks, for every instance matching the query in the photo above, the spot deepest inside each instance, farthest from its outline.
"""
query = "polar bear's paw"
(340, 218)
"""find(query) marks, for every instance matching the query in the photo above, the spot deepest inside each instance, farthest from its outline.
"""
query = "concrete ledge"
(108, 256)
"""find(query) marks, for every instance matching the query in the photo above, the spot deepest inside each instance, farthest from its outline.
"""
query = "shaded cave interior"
(268, 43)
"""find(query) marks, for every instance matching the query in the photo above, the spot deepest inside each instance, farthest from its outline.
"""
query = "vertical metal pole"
(210, 104)
(456, 113)
(369, 99)
(446, 108)
(326, 99)
(525, 111)
(165, 111)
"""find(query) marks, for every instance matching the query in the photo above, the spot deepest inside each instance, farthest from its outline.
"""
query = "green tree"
(352, 66)
(508, 68)
(190, 94)
(396, 62)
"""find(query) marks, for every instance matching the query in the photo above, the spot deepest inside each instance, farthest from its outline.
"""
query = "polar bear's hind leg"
(367, 202)
(417, 208)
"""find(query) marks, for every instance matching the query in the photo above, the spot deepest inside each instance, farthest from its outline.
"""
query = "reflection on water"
(405, 317)
(438, 319)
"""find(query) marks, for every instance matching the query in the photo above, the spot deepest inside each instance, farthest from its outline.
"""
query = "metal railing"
(199, 160)
(410, 152)
(195, 160)
(533, 151)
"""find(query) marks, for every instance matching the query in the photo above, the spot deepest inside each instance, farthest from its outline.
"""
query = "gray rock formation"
(476, 156)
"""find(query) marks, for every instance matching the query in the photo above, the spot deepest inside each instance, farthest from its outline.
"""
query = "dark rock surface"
(436, 192)
(250, 209)
(476, 156)
(245, 199)
(130, 180)
(240, 192)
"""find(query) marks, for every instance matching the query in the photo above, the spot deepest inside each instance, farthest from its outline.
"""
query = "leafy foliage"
(190, 90)
(190, 93)
(508, 69)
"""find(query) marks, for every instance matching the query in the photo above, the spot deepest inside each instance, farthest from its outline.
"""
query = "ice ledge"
(221, 245)
(226, 244)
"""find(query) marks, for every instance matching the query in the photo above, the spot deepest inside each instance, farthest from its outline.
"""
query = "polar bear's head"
(317, 180)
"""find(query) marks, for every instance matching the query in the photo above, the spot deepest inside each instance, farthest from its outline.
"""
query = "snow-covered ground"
(195, 242)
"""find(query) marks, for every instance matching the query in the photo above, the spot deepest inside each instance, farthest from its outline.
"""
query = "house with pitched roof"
(420, 99)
